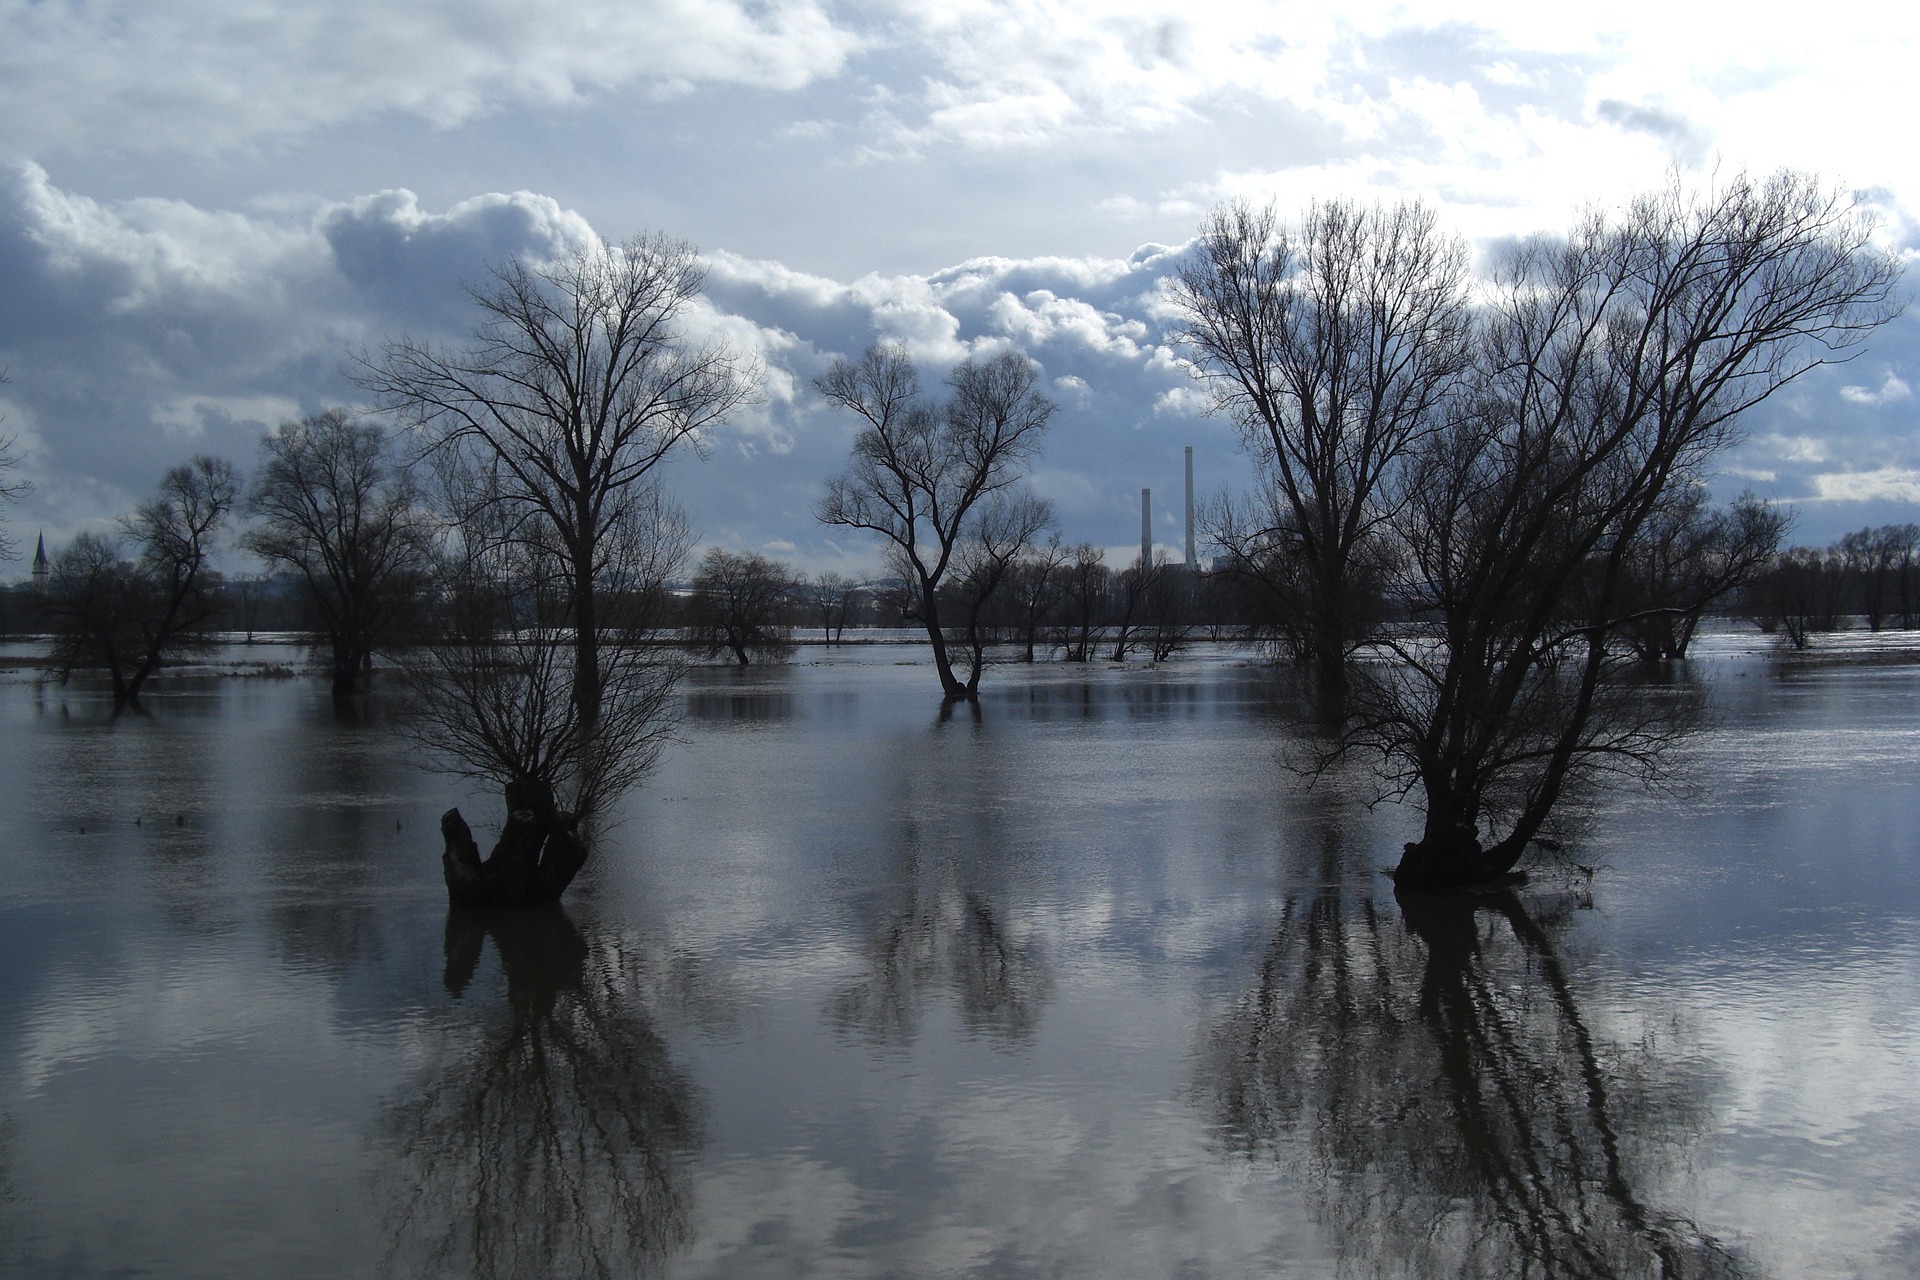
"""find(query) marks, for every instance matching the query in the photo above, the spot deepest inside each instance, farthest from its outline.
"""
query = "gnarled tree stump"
(533, 862)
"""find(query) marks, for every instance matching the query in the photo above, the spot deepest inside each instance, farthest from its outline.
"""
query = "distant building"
(40, 569)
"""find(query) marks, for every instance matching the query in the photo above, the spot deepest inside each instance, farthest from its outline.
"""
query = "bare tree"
(1034, 582)
(1264, 565)
(1167, 614)
(91, 596)
(1904, 540)
(1334, 348)
(832, 598)
(337, 507)
(1267, 568)
(577, 383)
(1800, 594)
(994, 543)
(1690, 556)
(128, 614)
(493, 688)
(1084, 583)
(741, 604)
(919, 474)
(1131, 586)
(1614, 365)
(1875, 560)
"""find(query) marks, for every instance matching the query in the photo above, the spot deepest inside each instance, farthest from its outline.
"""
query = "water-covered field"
(1086, 985)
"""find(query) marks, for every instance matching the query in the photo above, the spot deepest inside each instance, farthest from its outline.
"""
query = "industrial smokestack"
(1190, 555)
(1146, 528)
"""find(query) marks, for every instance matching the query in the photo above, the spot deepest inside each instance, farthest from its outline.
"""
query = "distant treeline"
(1871, 577)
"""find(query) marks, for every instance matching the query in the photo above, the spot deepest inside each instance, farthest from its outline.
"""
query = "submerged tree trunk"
(950, 685)
(1453, 858)
(538, 853)
(1450, 853)
(586, 640)
(352, 669)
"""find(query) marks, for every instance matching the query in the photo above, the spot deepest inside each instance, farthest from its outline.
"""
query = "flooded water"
(1086, 985)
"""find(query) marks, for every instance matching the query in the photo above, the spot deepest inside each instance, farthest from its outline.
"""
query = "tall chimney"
(1190, 556)
(1146, 528)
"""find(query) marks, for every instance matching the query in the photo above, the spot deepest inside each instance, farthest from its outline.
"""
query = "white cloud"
(1897, 484)
(131, 255)
(1797, 448)
(1101, 114)
(201, 75)
(1891, 391)
(1190, 401)
(1043, 316)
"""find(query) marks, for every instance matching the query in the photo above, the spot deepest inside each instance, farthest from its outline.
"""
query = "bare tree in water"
(578, 382)
(1334, 347)
(984, 564)
(921, 475)
(336, 506)
(1612, 367)
(492, 686)
(130, 610)
(742, 604)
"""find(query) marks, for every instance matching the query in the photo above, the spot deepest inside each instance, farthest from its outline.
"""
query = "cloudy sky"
(205, 207)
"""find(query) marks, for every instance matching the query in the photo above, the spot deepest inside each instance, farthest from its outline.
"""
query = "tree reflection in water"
(553, 1141)
(937, 933)
(1445, 1100)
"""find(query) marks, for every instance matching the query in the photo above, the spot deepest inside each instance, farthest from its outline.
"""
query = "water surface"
(1088, 985)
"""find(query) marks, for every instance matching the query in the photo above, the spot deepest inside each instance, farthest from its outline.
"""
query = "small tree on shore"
(831, 599)
(1801, 594)
(1034, 583)
(1084, 583)
(1692, 556)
